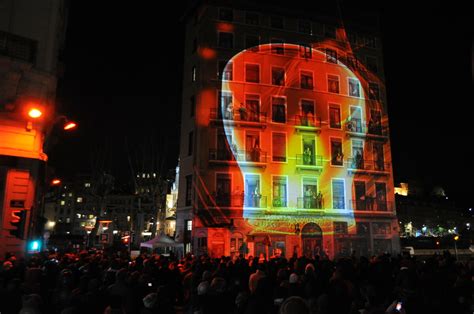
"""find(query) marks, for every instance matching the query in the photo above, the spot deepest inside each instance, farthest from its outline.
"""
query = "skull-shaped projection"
(296, 122)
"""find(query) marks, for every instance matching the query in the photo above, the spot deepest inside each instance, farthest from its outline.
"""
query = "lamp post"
(456, 238)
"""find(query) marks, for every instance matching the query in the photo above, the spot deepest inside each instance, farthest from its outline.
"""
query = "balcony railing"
(255, 200)
(367, 165)
(376, 129)
(255, 155)
(307, 121)
(18, 47)
(239, 115)
(369, 203)
(338, 202)
(355, 126)
(309, 160)
(309, 202)
(279, 202)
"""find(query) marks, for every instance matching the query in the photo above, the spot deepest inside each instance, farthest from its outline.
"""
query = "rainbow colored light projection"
(285, 96)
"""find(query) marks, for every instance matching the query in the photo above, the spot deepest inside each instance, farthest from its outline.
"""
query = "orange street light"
(70, 125)
(56, 182)
(35, 113)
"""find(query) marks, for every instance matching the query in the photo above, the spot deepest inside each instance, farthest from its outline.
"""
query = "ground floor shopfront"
(310, 237)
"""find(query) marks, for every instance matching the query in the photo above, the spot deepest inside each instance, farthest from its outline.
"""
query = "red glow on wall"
(207, 53)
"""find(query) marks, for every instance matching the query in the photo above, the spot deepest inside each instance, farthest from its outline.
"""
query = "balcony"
(279, 202)
(307, 123)
(309, 202)
(18, 47)
(255, 200)
(251, 158)
(377, 131)
(241, 118)
(359, 165)
(369, 203)
(355, 128)
(309, 162)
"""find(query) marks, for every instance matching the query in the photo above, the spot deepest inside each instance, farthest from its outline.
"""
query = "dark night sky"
(124, 63)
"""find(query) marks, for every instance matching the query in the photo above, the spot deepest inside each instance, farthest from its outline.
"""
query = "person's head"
(294, 305)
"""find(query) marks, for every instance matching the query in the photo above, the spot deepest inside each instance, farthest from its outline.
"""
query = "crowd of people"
(109, 282)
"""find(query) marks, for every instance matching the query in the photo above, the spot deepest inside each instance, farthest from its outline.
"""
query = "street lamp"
(456, 238)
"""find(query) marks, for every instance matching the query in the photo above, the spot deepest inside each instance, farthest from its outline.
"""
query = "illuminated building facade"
(284, 141)
(31, 35)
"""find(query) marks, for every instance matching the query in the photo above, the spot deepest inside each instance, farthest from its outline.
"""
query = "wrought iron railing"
(309, 160)
(241, 114)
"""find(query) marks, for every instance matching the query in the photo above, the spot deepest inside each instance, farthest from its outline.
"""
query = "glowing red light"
(56, 182)
(70, 125)
(35, 113)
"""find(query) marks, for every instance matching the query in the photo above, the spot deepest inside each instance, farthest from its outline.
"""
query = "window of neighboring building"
(189, 225)
(334, 117)
(352, 61)
(340, 227)
(87, 185)
(202, 242)
(279, 147)
(331, 55)
(306, 80)
(225, 40)
(338, 194)
(79, 200)
(279, 191)
(381, 227)
(193, 74)
(252, 18)
(252, 73)
(225, 105)
(279, 109)
(333, 84)
(189, 189)
(330, 31)
(278, 76)
(337, 156)
(190, 143)
(252, 42)
(68, 220)
(195, 45)
(354, 87)
(226, 14)
(192, 105)
(63, 203)
(381, 196)
(379, 159)
(276, 22)
(225, 70)
(370, 41)
(374, 92)
(372, 64)
(278, 46)
(304, 26)
(305, 51)
(223, 189)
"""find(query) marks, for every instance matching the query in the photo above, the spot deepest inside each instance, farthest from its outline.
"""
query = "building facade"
(31, 35)
(284, 140)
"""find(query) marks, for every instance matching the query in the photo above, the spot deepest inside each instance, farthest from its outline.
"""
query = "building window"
(276, 22)
(372, 64)
(225, 105)
(352, 62)
(370, 41)
(330, 31)
(338, 195)
(195, 45)
(279, 147)
(374, 93)
(189, 225)
(278, 109)
(192, 105)
(252, 18)
(305, 51)
(304, 27)
(251, 110)
(278, 76)
(333, 84)
(340, 227)
(379, 163)
(190, 143)
(381, 196)
(223, 189)
(225, 40)
(357, 154)
(306, 80)
(68, 220)
(87, 185)
(225, 70)
(354, 87)
(193, 74)
(337, 156)
(279, 191)
(278, 46)
(79, 200)
(381, 228)
(189, 186)
(252, 73)
(334, 117)
(63, 203)
(331, 56)
(252, 42)
(226, 14)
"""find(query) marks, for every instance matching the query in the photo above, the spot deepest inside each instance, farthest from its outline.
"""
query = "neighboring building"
(171, 201)
(31, 35)
(284, 140)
